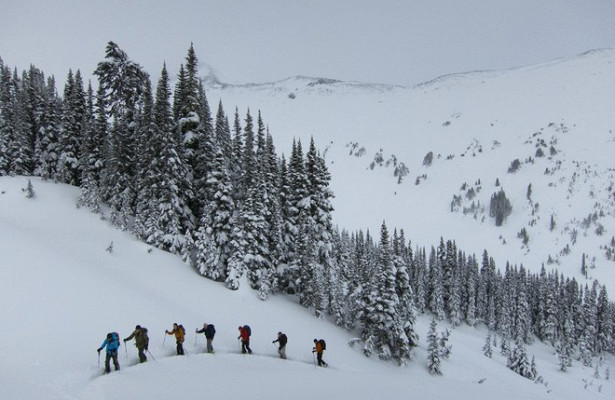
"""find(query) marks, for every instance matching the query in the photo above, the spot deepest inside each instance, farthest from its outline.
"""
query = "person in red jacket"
(244, 336)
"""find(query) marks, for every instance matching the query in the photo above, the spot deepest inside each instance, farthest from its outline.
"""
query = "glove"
(98, 350)
(124, 340)
(146, 348)
(273, 341)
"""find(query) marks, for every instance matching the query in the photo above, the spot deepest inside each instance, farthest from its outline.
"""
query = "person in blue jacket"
(112, 343)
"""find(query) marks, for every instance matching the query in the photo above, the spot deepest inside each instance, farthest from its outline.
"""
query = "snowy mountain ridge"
(429, 158)
(299, 84)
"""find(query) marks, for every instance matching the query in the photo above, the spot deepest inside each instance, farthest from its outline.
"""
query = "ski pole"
(153, 358)
(195, 337)
(126, 349)
(99, 358)
(164, 340)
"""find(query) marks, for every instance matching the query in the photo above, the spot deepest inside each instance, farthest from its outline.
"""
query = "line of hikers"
(112, 343)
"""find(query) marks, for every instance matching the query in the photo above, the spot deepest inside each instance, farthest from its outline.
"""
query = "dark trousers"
(245, 346)
(180, 349)
(111, 355)
(142, 357)
(320, 360)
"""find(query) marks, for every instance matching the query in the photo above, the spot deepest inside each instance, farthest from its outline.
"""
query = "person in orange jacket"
(319, 349)
(180, 333)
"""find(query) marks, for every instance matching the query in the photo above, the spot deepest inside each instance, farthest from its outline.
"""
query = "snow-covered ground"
(475, 124)
(61, 292)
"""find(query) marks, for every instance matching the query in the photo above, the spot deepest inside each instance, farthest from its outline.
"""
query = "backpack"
(145, 337)
(210, 331)
(183, 330)
(323, 344)
(114, 343)
(247, 328)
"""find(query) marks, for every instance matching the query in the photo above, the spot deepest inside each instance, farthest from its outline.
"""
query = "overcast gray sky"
(398, 42)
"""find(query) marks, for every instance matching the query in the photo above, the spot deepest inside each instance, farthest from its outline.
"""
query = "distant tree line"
(215, 192)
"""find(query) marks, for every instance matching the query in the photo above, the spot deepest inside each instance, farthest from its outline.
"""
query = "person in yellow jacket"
(180, 333)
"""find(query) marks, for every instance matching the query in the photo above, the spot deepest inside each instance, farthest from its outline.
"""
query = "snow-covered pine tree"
(46, 150)
(309, 279)
(358, 281)
(19, 149)
(148, 149)
(406, 310)
(434, 362)
(248, 157)
(171, 216)
(73, 129)
(339, 300)
(91, 156)
(213, 238)
(123, 82)
(254, 224)
(318, 204)
(295, 192)
(278, 254)
(236, 165)
(471, 289)
(436, 290)
(33, 91)
(505, 310)
(194, 123)
(384, 334)
(223, 135)
(518, 361)
(522, 319)
(420, 280)
(5, 118)
(606, 325)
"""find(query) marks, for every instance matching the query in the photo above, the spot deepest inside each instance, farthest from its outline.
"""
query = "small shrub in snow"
(487, 349)
(500, 207)
(428, 159)
(514, 166)
(29, 190)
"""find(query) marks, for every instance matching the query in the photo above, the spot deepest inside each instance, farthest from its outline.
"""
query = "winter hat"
(138, 327)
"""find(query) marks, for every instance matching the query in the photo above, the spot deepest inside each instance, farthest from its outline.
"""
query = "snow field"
(61, 292)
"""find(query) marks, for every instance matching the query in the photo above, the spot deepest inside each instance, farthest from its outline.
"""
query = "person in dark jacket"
(244, 335)
(281, 341)
(209, 330)
(178, 331)
(141, 341)
(112, 343)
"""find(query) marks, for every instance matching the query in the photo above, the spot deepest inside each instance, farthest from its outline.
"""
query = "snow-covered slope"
(475, 124)
(61, 291)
